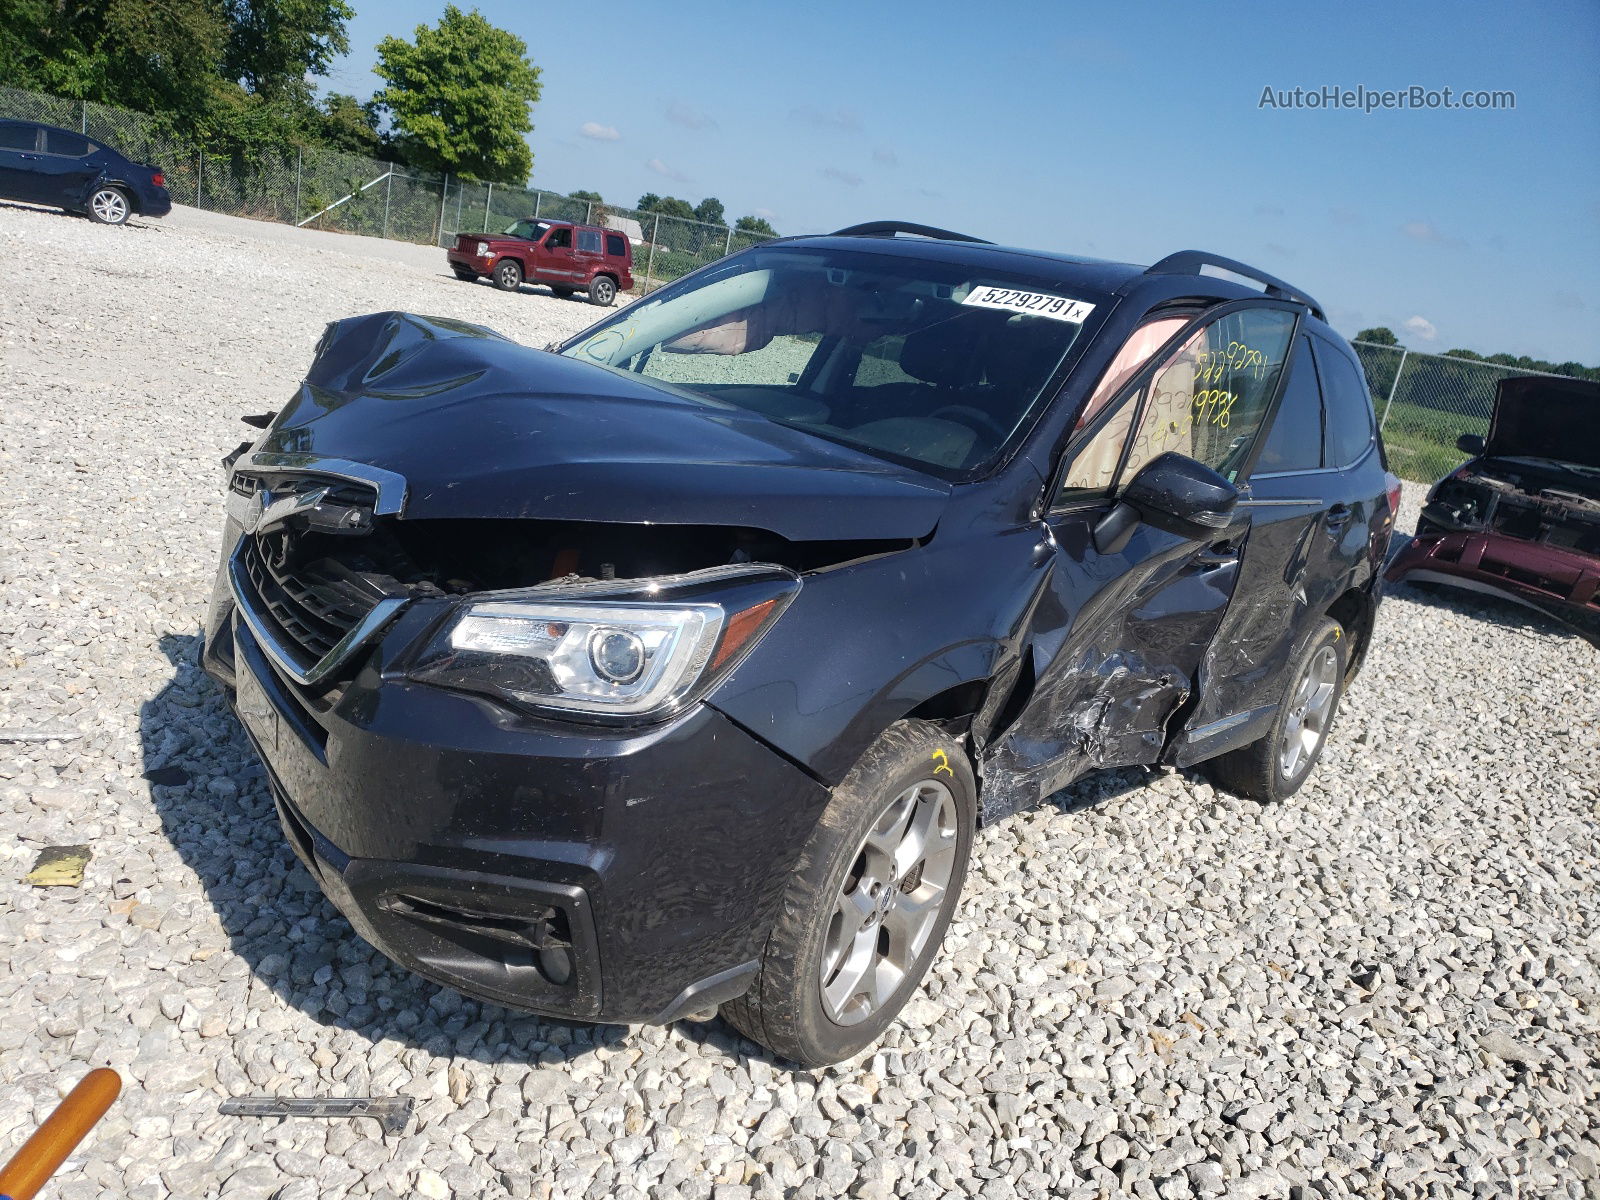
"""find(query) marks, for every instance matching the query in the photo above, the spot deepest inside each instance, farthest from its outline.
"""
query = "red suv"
(570, 258)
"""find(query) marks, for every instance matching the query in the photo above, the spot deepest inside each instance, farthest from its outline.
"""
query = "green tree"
(671, 206)
(581, 195)
(755, 225)
(1380, 335)
(648, 202)
(347, 124)
(459, 97)
(273, 45)
(710, 211)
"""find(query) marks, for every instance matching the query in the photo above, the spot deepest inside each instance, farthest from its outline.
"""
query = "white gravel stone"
(1387, 984)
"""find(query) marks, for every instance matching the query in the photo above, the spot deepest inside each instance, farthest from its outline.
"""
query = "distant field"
(1422, 441)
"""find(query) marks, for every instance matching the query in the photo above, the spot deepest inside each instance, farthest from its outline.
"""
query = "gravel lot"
(1387, 987)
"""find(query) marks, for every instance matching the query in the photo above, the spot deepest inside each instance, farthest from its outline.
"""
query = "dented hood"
(480, 426)
(1546, 417)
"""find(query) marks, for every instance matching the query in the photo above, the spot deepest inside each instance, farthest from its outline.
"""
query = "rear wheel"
(109, 206)
(508, 275)
(603, 291)
(1274, 767)
(867, 907)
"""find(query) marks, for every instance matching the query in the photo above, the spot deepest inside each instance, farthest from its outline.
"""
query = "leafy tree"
(671, 206)
(755, 225)
(459, 97)
(581, 195)
(1380, 335)
(710, 211)
(274, 44)
(347, 124)
(1472, 354)
(648, 202)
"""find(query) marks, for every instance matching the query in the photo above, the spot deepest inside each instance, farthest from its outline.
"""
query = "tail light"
(158, 179)
(1391, 483)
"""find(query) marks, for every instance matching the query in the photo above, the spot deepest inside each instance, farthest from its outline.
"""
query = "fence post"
(83, 121)
(538, 200)
(588, 212)
(388, 191)
(728, 249)
(200, 178)
(650, 264)
(460, 191)
(444, 195)
(1393, 386)
(298, 153)
(487, 196)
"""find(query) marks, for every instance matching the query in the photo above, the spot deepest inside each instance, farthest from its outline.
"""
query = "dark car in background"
(42, 164)
(1521, 518)
(566, 256)
(676, 668)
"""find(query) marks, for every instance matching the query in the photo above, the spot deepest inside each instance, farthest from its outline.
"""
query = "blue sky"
(1122, 131)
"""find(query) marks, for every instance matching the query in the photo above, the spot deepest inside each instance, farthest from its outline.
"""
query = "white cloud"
(848, 178)
(661, 168)
(885, 156)
(599, 132)
(765, 214)
(1420, 328)
(843, 120)
(1428, 233)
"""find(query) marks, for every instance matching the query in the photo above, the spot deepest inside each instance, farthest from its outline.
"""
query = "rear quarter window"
(1348, 421)
(616, 245)
(589, 241)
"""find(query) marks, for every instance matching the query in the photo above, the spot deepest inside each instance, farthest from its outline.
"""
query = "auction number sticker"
(1038, 304)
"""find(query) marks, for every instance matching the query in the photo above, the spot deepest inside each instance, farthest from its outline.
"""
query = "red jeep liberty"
(569, 258)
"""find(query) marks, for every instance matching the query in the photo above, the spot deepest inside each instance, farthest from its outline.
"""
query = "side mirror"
(1470, 443)
(1172, 493)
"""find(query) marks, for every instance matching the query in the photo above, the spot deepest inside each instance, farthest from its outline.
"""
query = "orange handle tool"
(30, 1168)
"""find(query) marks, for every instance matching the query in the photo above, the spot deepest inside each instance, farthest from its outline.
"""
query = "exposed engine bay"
(1533, 504)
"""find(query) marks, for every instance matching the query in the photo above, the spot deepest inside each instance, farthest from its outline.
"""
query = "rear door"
(587, 253)
(69, 164)
(1117, 638)
(19, 161)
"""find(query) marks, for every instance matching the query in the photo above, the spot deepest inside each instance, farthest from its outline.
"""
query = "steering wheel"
(965, 414)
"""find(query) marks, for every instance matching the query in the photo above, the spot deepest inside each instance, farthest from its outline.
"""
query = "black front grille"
(312, 603)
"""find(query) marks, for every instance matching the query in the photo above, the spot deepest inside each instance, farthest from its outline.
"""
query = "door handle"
(1219, 555)
(1338, 515)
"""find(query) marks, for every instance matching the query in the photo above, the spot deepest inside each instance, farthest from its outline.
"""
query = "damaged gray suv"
(675, 668)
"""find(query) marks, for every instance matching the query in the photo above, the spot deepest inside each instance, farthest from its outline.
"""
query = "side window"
(1349, 417)
(19, 137)
(616, 245)
(1207, 401)
(70, 145)
(1294, 443)
(589, 241)
(560, 239)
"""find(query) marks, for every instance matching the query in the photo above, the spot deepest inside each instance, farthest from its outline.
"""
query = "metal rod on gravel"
(42, 1154)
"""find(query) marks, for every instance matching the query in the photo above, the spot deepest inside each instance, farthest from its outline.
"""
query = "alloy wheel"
(110, 205)
(1309, 709)
(889, 902)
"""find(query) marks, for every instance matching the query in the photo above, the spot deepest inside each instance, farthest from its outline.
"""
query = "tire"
(465, 275)
(1263, 770)
(561, 293)
(603, 291)
(508, 275)
(912, 777)
(110, 206)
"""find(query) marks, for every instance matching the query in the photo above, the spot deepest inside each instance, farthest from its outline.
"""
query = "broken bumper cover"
(1561, 583)
(581, 872)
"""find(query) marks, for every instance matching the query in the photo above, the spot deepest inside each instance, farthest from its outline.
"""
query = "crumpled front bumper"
(1561, 583)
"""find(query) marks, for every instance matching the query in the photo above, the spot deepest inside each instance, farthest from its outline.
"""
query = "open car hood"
(481, 427)
(1546, 417)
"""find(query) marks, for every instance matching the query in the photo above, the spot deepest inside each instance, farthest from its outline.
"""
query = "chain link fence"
(350, 193)
(1426, 401)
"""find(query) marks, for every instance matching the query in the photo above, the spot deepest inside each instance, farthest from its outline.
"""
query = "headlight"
(619, 659)
(483, 249)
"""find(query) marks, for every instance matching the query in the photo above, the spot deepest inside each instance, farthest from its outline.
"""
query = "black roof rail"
(1189, 262)
(890, 228)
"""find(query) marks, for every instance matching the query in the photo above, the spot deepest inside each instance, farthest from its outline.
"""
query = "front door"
(553, 262)
(1118, 636)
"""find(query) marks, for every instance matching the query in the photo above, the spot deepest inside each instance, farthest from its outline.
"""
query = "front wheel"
(508, 275)
(868, 905)
(109, 206)
(603, 291)
(464, 274)
(1273, 768)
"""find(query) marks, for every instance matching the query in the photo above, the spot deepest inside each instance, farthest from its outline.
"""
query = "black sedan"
(42, 164)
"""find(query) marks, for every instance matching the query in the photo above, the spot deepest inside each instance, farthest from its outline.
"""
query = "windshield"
(930, 362)
(528, 228)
